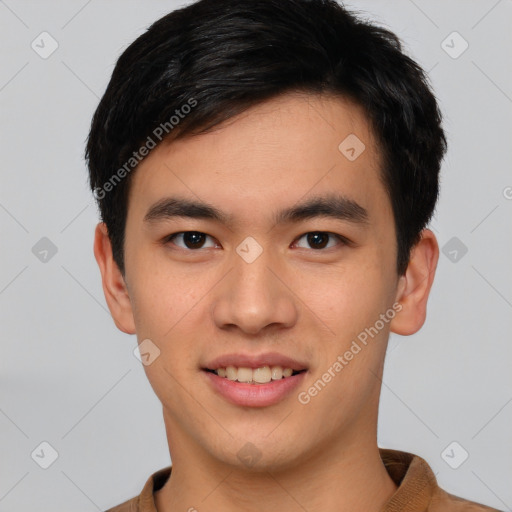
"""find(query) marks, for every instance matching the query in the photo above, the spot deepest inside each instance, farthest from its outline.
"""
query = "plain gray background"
(69, 377)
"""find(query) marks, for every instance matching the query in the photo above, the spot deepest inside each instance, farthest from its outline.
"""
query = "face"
(286, 261)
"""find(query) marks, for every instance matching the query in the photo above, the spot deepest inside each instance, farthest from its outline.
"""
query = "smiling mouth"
(261, 375)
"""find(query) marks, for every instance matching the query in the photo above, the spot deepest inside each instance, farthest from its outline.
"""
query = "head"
(240, 111)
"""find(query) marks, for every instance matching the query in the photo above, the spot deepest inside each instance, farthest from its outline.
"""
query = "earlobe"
(114, 286)
(414, 287)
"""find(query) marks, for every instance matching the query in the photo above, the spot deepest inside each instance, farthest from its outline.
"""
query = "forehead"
(272, 154)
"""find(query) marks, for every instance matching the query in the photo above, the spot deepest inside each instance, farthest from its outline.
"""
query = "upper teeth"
(260, 375)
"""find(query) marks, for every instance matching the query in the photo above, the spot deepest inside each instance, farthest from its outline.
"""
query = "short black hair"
(206, 62)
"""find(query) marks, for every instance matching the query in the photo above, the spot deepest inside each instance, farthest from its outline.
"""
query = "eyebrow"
(333, 206)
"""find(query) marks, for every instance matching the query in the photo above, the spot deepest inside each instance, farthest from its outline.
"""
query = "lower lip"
(254, 395)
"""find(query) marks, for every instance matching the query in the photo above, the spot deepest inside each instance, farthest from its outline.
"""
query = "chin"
(260, 455)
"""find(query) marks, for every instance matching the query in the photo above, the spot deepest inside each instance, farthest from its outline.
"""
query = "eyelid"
(344, 241)
(168, 239)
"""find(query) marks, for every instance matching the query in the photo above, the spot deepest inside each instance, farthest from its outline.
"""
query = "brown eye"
(320, 239)
(190, 239)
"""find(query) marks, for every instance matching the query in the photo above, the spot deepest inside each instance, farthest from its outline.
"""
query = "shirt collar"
(415, 480)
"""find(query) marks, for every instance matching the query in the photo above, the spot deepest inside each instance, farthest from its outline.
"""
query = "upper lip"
(255, 361)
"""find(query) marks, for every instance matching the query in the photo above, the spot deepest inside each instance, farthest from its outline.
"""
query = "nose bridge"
(251, 296)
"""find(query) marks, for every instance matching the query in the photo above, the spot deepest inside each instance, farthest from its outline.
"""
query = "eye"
(194, 240)
(319, 239)
(191, 239)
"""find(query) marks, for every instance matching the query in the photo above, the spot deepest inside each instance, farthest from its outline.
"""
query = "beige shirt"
(417, 489)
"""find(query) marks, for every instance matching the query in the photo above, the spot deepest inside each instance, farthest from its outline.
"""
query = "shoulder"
(417, 487)
(443, 501)
(144, 502)
(127, 506)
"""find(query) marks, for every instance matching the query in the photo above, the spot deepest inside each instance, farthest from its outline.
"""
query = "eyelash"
(343, 241)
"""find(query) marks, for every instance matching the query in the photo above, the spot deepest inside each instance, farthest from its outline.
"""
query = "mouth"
(254, 380)
(257, 376)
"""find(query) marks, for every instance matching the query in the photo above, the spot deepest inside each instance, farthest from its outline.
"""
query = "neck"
(332, 480)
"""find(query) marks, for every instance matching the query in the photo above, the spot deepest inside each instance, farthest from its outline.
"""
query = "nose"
(254, 296)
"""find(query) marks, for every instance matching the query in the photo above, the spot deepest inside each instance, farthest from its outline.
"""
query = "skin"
(304, 302)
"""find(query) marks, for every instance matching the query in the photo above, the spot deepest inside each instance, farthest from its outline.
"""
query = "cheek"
(161, 301)
(351, 297)
(168, 312)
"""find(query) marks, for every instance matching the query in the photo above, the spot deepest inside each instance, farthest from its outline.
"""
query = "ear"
(414, 286)
(114, 286)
